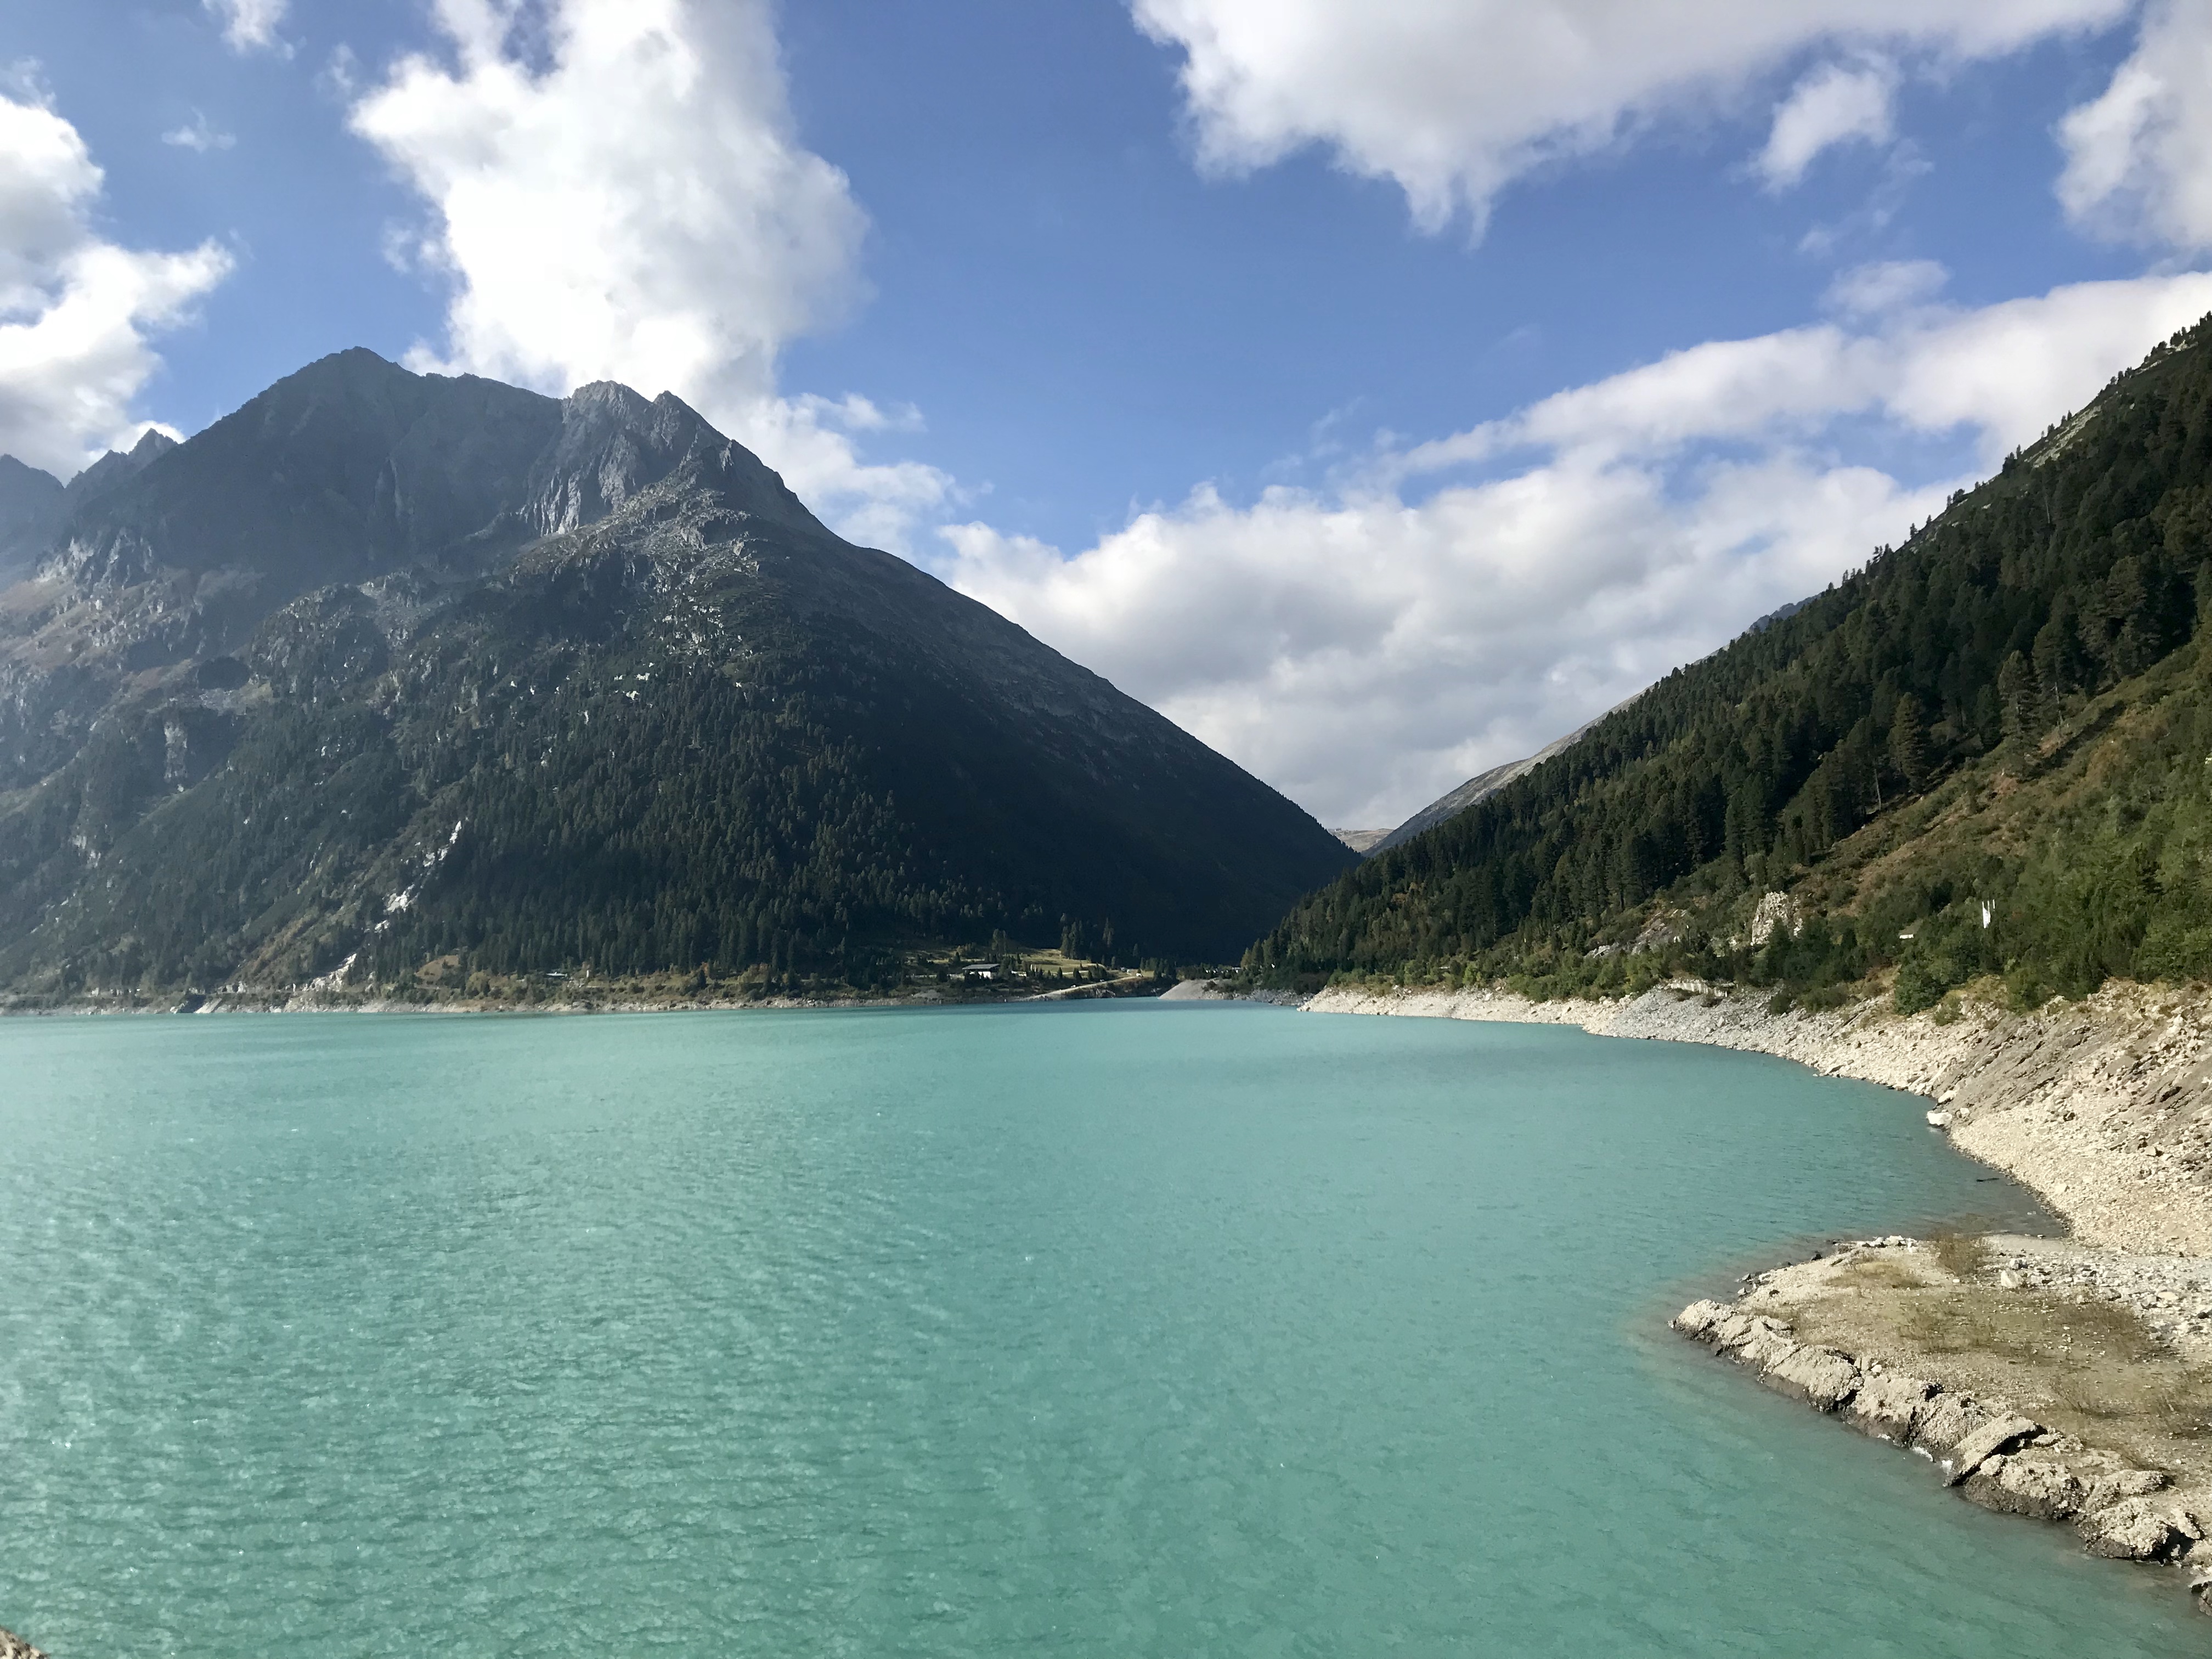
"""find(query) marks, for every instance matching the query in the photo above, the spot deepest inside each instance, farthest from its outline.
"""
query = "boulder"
(1766, 1345)
(1948, 1420)
(1735, 1327)
(2038, 1481)
(2200, 1583)
(1888, 1404)
(1698, 1319)
(1822, 1377)
(2001, 1435)
(2140, 1529)
(2117, 1483)
(13, 1646)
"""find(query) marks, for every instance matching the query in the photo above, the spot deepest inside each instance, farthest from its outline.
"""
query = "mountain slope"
(1480, 787)
(32, 506)
(1978, 676)
(387, 668)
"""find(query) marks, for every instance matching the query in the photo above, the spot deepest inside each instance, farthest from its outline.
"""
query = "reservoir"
(1107, 1330)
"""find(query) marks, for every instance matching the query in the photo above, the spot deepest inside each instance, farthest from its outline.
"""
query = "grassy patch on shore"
(2083, 1364)
(2029, 1325)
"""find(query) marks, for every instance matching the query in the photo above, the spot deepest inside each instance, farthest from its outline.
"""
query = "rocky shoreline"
(1992, 1453)
(600, 1000)
(2020, 1367)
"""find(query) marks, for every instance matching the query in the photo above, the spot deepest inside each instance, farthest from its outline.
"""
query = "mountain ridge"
(390, 669)
(1978, 756)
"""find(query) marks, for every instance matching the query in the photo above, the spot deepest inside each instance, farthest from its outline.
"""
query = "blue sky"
(1378, 400)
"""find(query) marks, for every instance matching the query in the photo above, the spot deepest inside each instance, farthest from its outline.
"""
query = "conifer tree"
(2019, 697)
(1908, 743)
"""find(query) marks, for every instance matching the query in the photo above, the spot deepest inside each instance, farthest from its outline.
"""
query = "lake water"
(1112, 1330)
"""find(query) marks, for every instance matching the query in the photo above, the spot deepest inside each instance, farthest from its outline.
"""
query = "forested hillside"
(1988, 751)
(388, 671)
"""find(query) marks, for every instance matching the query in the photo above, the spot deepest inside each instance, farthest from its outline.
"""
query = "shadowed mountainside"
(387, 667)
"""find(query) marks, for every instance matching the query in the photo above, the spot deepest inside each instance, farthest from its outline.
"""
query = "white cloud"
(1889, 285)
(1454, 99)
(1832, 106)
(1367, 650)
(198, 136)
(615, 191)
(2139, 158)
(75, 310)
(806, 439)
(250, 25)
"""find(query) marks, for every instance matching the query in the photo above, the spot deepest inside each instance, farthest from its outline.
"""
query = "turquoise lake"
(1116, 1330)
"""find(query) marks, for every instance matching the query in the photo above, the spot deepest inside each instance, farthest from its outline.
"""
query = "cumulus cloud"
(1469, 599)
(615, 191)
(1832, 106)
(75, 310)
(1451, 99)
(2139, 158)
(250, 25)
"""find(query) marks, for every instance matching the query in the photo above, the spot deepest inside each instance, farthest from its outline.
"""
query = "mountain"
(1983, 754)
(34, 505)
(1481, 786)
(115, 467)
(395, 670)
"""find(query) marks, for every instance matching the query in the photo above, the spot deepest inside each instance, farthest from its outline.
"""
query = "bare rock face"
(13, 1646)
(1889, 1405)
(2140, 1529)
(1822, 1377)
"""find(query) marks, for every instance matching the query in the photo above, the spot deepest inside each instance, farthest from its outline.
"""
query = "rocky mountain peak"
(614, 444)
(606, 642)
(116, 467)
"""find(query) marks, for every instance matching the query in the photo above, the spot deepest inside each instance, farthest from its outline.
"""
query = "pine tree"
(2019, 696)
(1908, 743)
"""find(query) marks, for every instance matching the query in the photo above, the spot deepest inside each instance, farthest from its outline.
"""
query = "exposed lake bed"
(1104, 1329)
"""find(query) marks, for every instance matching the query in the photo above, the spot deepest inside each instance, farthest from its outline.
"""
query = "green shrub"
(1918, 985)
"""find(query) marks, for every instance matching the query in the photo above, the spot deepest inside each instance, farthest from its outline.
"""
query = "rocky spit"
(1992, 1454)
(2102, 1107)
